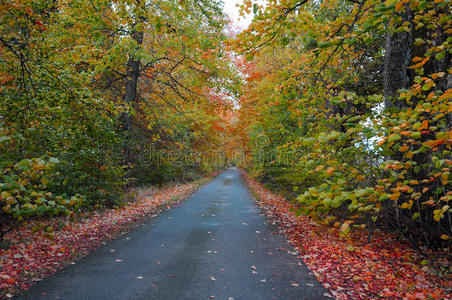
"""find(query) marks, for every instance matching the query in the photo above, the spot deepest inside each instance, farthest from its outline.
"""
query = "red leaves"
(352, 268)
(33, 256)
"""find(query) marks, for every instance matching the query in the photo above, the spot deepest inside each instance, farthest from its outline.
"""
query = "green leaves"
(25, 191)
(361, 155)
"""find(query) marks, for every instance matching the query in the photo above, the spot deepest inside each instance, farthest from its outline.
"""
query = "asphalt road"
(215, 245)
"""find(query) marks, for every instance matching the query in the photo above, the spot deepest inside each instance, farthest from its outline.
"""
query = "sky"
(233, 12)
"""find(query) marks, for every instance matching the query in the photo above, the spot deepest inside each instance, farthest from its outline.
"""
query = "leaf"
(424, 125)
(445, 237)
(394, 137)
(345, 227)
(4, 139)
(255, 8)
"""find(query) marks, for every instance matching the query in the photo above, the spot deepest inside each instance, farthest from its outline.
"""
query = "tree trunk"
(398, 52)
(130, 96)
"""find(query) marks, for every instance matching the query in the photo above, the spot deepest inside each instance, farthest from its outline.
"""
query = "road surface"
(215, 245)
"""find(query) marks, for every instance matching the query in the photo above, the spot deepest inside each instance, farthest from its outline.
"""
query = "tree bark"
(398, 52)
(130, 96)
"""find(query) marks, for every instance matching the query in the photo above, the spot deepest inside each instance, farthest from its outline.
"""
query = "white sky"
(233, 12)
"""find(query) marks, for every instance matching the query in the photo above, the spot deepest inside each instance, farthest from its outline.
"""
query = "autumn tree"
(87, 86)
(354, 96)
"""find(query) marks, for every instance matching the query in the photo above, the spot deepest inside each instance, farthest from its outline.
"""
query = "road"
(215, 245)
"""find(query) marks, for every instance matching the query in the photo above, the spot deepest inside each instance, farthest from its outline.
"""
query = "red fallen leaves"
(384, 268)
(34, 256)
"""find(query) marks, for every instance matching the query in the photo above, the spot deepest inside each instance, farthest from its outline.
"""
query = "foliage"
(65, 73)
(25, 191)
(349, 266)
(348, 146)
(25, 262)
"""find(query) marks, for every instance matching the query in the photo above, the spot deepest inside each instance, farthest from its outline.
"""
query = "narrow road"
(215, 245)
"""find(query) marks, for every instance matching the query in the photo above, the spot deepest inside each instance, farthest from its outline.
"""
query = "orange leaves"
(395, 196)
(399, 5)
(434, 143)
(405, 133)
(394, 166)
(405, 189)
(421, 62)
(438, 75)
(424, 125)
(349, 266)
(404, 148)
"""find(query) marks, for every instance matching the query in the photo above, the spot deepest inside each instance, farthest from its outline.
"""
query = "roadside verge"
(348, 266)
(32, 256)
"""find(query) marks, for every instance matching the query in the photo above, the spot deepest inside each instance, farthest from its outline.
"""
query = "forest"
(343, 107)
(90, 89)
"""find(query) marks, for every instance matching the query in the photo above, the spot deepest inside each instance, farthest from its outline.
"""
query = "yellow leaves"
(4, 195)
(444, 237)
(438, 214)
(319, 168)
(428, 84)
(360, 178)
(407, 205)
(330, 170)
(409, 154)
(44, 181)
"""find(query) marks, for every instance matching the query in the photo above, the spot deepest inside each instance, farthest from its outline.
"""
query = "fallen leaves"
(385, 268)
(32, 256)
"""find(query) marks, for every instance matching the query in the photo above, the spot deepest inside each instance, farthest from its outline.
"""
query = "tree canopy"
(343, 105)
